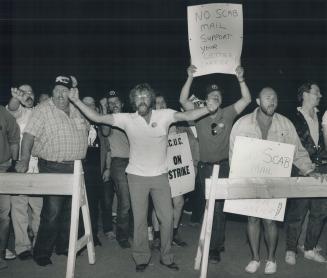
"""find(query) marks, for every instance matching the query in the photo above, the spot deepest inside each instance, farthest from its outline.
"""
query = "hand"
(319, 176)
(106, 175)
(212, 105)
(18, 94)
(73, 94)
(191, 70)
(21, 166)
(239, 73)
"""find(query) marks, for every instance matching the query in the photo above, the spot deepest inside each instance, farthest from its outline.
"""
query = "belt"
(216, 162)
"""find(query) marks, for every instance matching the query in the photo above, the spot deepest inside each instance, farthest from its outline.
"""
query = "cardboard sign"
(180, 164)
(215, 34)
(260, 158)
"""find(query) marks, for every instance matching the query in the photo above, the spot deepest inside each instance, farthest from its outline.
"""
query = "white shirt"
(148, 142)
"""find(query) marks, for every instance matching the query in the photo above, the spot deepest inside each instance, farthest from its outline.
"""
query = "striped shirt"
(58, 137)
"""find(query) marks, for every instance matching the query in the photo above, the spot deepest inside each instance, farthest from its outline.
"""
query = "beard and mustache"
(143, 108)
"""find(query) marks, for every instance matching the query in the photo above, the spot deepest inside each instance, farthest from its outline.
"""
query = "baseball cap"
(212, 87)
(112, 93)
(67, 81)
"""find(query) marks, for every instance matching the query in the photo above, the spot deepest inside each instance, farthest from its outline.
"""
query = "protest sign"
(180, 164)
(215, 34)
(260, 158)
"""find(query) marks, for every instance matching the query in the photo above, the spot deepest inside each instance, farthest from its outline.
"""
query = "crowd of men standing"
(125, 154)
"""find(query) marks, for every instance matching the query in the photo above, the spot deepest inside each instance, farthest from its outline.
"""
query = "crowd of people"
(124, 154)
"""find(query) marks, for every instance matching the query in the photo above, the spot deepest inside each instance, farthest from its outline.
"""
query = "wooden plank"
(266, 188)
(39, 184)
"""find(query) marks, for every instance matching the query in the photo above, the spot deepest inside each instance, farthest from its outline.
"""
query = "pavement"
(113, 262)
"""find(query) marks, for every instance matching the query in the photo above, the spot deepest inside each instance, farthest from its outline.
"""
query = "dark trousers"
(55, 216)
(124, 212)
(106, 202)
(219, 219)
(297, 210)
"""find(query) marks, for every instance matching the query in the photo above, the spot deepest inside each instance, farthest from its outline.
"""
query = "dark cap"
(67, 81)
(111, 93)
(212, 87)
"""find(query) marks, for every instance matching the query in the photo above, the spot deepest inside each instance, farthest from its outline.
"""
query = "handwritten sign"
(260, 158)
(215, 34)
(180, 164)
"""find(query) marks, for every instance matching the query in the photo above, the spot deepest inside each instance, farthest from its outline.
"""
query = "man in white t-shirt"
(21, 107)
(147, 131)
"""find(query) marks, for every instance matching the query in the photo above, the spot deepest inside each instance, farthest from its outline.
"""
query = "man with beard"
(310, 132)
(213, 134)
(119, 147)
(265, 124)
(24, 207)
(57, 134)
(147, 131)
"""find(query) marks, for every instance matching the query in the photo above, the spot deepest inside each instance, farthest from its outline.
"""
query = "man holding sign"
(213, 133)
(265, 124)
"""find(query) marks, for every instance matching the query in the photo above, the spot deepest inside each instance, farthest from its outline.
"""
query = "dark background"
(118, 44)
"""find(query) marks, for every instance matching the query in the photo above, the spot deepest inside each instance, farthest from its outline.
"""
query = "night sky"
(118, 44)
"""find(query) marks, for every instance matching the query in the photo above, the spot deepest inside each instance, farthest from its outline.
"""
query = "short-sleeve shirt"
(119, 144)
(58, 137)
(213, 134)
(148, 141)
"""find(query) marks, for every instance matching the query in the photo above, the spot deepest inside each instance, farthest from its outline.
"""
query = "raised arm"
(185, 92)
(88, 112)
(245, 100)
(16, 100)
(195, 114)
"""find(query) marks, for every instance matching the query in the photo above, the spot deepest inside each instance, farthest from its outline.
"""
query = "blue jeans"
(55, 216)
(124, 212)
(219, 219)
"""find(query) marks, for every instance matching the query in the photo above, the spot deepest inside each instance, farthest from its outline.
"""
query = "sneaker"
(178, 241)
(3, 264)
(252, 267)
(290, 257)
(110, 235)
(313, 255)
(214, 256)
(317, 248)
(9, 255)
(124, 244)
(271, 267)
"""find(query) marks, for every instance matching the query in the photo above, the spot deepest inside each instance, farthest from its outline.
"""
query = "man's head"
(115, 104)
(267, 101)
(160, 102)
(90, 102)
(309, 94)
(214, 94)
(142, 98)
(60, 92)
(28, 95)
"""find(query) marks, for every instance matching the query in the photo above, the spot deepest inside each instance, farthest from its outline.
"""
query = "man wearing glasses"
(213, 133)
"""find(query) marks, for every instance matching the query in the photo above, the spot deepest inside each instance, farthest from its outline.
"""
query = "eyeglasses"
(213, 129)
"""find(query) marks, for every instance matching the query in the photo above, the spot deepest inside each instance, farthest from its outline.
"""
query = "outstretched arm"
(88, 112)
(246, 96)
(195, 114)
(185, 92)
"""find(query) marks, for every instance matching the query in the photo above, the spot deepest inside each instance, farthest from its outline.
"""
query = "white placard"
(215, 33)
(180, 164)
(260, 158)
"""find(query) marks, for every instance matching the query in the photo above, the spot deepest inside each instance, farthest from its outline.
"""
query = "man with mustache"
(310, 132)
(147, 131)
(265, 124)
(57, 134)
(119, 147)
(24, 207)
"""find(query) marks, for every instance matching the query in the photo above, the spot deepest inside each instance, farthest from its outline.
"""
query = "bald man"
(264, 123)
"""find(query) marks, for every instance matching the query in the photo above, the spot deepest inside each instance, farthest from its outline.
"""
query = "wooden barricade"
(249, 188)
(58, 184)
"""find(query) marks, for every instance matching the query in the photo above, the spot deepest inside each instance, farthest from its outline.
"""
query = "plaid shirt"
(58, 137)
